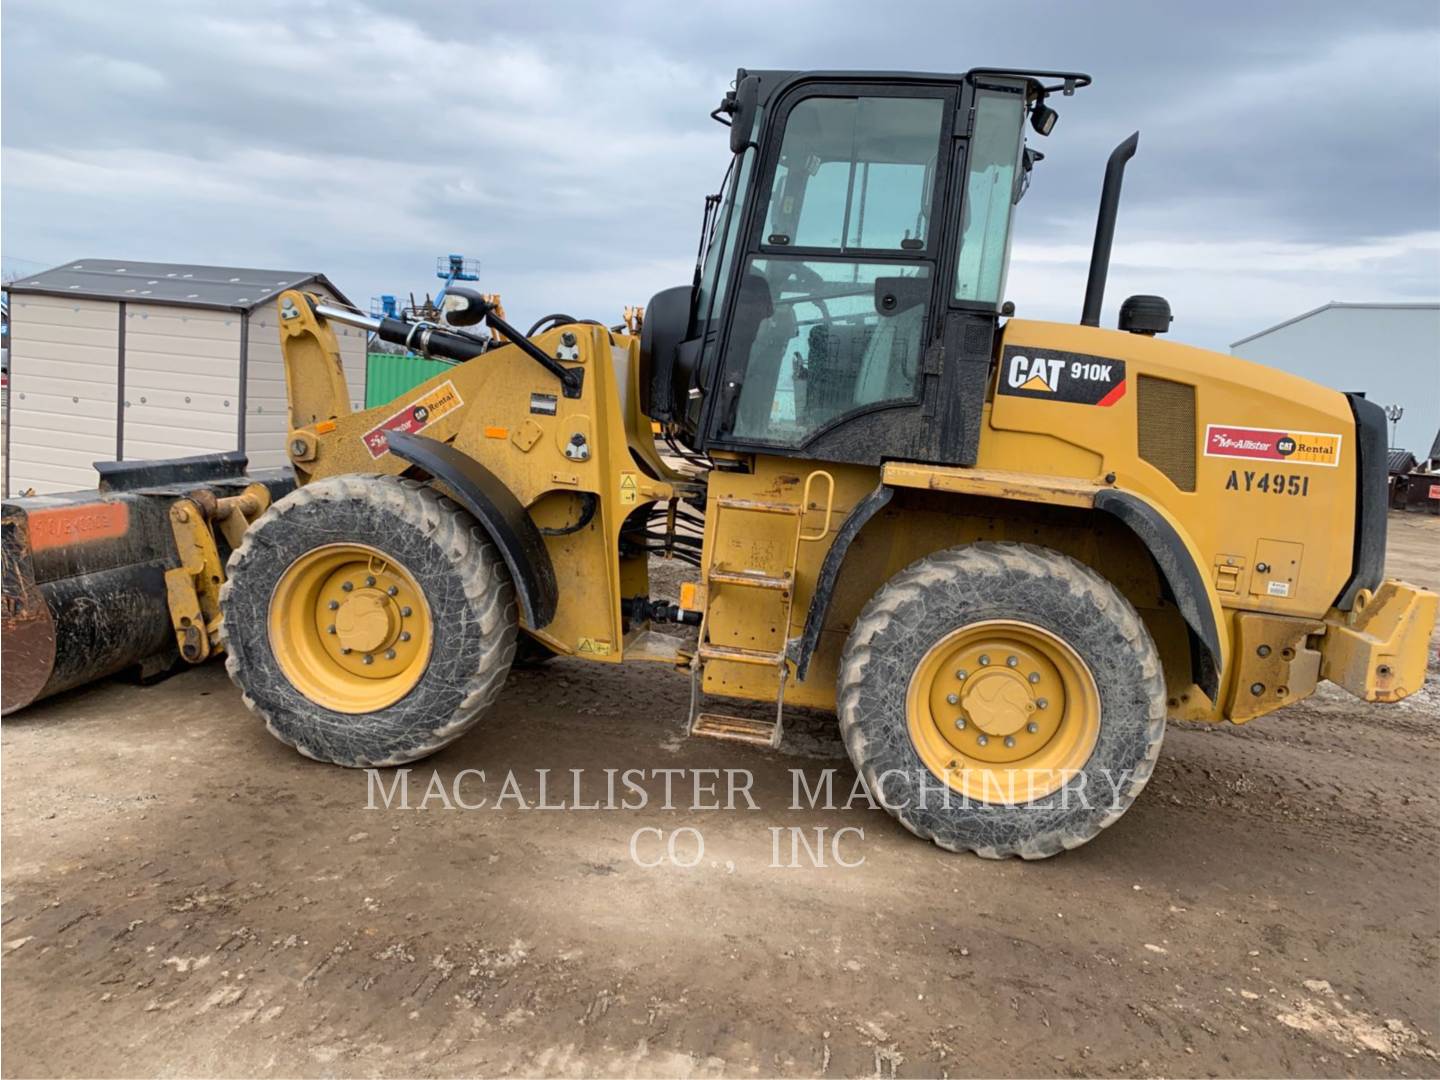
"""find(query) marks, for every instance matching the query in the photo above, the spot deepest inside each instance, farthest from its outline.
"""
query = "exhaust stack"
(1105, 229)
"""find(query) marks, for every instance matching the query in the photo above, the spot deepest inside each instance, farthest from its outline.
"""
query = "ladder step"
(754, 579)
(755, 506)
(737, 729)
(741, 656)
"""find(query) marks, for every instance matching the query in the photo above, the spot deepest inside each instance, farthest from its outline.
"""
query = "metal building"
(125, 360)
(1389, 352)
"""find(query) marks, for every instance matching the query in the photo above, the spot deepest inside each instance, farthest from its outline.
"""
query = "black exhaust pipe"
(1105, 229)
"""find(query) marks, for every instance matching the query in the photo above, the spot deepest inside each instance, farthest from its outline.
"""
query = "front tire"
(1003, 699)
(368, 619)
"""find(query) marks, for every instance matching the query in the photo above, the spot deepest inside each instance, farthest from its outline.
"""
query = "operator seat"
(891, 357)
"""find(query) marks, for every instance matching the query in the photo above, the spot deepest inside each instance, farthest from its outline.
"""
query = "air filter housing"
(1147, 315)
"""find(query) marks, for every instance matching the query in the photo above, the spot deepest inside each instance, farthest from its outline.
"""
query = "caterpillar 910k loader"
(1003, 551)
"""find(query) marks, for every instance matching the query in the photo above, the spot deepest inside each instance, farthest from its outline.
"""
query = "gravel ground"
(182, 895)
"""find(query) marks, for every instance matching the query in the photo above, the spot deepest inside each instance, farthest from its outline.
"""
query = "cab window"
(823, 339)
(989, 197)
(855, 174)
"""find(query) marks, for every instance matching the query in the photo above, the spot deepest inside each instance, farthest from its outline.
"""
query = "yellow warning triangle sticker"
(627, 480)
(1035, 382)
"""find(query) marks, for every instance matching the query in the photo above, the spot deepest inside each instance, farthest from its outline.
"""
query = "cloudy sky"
(1289, 155)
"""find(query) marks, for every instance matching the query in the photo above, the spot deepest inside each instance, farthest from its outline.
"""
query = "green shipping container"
(388, 376)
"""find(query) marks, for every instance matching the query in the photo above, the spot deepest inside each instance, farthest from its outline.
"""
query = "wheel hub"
(998, 699)
(350, 627)
(367, 621)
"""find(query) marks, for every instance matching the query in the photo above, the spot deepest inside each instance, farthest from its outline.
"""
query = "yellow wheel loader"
(1004, 552)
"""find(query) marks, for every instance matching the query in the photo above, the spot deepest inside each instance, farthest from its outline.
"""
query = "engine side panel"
(1272, 496)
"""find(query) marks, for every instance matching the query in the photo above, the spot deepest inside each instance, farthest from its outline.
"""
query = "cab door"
(833, 341)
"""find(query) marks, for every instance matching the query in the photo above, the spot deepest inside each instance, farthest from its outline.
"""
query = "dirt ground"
(182, 895)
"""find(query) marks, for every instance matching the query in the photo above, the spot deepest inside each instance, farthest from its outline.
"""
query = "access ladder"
(716, 576)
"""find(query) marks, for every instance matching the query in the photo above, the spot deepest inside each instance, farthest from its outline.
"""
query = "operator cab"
(850, 277)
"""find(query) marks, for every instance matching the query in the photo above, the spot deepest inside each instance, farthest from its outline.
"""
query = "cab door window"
(856, 174)
(831, 312)
(825, 338)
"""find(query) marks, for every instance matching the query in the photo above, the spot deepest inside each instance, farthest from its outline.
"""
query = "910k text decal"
(1076, 378)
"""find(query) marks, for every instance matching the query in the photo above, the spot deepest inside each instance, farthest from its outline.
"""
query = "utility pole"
(1393, 414)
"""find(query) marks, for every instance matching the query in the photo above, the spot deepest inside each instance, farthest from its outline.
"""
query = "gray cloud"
(1288, 153)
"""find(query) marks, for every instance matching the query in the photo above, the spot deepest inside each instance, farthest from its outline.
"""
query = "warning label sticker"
(1077, 378)
(414, 417)
(629, 490)
(1262, 444)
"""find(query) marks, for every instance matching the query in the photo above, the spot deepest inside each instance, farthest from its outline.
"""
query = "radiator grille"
(1167, 428)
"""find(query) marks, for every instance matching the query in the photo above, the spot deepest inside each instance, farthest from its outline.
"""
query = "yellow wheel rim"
(350, 628)
(1003, 711)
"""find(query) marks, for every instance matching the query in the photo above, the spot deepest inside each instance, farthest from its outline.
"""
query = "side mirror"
(464, 307)
(747, 97)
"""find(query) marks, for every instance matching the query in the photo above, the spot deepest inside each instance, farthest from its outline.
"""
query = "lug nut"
(960, 723)
(347, 586)
(961, 673)
(404, 635)
(404, 612)
(1034, 676)
(1042, 703)
(330, 629)
(1032, 727)
(1010, 740)
(1013, 661)
(984, 660)
(334, 605)
(345, 650)
(953, 699)
(392, 590)
(369, 659)
(370, 582)
(389, 654)
(983, 740)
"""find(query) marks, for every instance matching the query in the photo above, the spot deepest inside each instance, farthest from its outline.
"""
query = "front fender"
(505, 521)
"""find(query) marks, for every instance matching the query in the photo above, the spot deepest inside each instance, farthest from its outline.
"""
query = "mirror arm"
(570, 378)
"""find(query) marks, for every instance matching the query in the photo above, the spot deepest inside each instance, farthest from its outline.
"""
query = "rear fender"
(1174, 553)
(1179, 564)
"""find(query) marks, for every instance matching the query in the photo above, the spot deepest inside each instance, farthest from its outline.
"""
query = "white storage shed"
(121, 361)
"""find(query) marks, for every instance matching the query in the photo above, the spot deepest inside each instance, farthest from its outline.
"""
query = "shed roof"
(1399, 461)
(231, 288)
(1335, 304)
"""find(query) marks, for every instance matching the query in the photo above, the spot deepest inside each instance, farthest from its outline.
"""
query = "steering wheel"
(803, 276)
(806, 280)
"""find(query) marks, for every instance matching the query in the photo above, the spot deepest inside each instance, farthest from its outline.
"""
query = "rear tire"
(1003, 699)
(392, 542)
